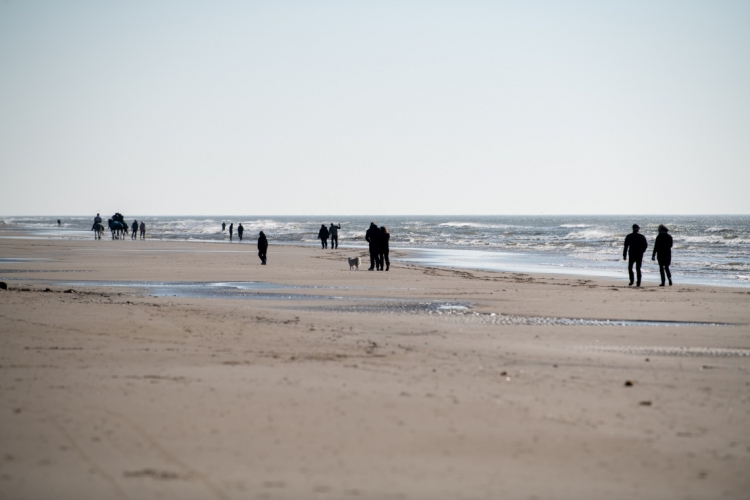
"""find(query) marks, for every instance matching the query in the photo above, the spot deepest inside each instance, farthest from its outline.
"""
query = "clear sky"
(357, 107)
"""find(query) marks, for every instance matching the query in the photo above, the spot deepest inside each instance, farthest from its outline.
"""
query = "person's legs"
(387, 261)
(630, 270)
(669, 275)
(380, 262)
(638, 262)
(661, 273)
(334, 242)
(373, 259)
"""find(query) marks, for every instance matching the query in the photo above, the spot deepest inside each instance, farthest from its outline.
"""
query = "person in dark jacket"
(334, 232)
(663, 251)
(262, 247)
(231, 230)
(637, 244)
(240, 230)
(323, 236)
(373, 236)
(134, 232)
(385, 238)
(223, 226)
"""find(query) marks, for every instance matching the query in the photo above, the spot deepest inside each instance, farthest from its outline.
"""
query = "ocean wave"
(574, 225)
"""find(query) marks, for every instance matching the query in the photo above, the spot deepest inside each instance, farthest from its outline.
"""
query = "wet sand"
(416, 383)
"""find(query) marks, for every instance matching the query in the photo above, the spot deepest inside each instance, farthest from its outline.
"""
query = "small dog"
(355, 262)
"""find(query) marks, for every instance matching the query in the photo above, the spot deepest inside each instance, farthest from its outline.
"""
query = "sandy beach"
(417, 383)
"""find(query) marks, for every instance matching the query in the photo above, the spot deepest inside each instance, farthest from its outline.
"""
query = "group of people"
(378, 239)
(240, 230)
(635, 247)
(141, 228)
(118, 226)
(332, 232)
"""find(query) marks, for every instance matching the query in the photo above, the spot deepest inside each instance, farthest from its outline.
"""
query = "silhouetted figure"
(262, 247)
(223, 226)
(663, 252)
(143, 230)
(373, 236)
(638, 245)
(385, 238)
(59, 223)
(240, 230)
(323, 236)
(134, 231)
(231, 231)
(97, 219)
(334, 232)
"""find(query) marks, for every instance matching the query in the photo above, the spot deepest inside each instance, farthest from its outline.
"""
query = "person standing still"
(384, 248)
(143, 230)
(334, 232)
(637, 244)
(240, 230)
(134, 232)
(372, 236)
(223, 226)
(231, 231)
(323, 236)
(663, 252)
(262, 247)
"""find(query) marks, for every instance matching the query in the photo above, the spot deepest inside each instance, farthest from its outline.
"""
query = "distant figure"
(97, 219)
(143, 230)
(323, 236)
(372, 235)
(385, 237)
(223, 226)
(59, 223)
(638, 245)
(134, 232)
(240, 230)
(663, 251)
(262, 247)
(334, 232)
(231, 231)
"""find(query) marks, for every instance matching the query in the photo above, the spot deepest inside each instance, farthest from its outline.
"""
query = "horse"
(117, 228)
(98, 230)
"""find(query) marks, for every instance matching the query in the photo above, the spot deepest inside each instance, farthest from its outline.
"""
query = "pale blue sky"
(374, 107)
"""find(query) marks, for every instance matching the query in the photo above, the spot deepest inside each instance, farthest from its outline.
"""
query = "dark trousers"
(324, 242)
(383, 259)
(637, 260)
(374, 259)
(240, 235)
(262, 255)
(334, 241)
(664, 269)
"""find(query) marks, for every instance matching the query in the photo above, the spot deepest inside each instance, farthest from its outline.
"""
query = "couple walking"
(333, 232)
(378, 238)
(637, 245)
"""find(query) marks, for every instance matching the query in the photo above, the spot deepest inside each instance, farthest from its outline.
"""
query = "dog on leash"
(354, 263)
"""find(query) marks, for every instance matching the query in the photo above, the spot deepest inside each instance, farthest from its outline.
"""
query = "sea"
(707, 249)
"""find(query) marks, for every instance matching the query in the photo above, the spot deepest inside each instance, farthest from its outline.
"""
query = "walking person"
(637, 244)
(323, 236)
(134, 232)
(385, 238)
(240, 230)
(663, 252)
(334, 232)
(143, 230)
(231, 231)
(262, 247)
(372, 236)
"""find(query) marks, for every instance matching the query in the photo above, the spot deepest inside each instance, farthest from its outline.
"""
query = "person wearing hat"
(663, 252)
(637, 244)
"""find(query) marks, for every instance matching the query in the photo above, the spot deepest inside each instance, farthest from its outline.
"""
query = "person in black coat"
(323, 236)
(240, 230)
(231, 230)
(373, 237)
(663, 251)
(385, 238)
(262, 247)
(637, 244)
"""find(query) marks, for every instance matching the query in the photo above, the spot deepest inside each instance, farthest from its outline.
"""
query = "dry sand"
(112, 393)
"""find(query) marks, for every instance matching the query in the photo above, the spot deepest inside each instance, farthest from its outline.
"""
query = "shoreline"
(453, 258)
